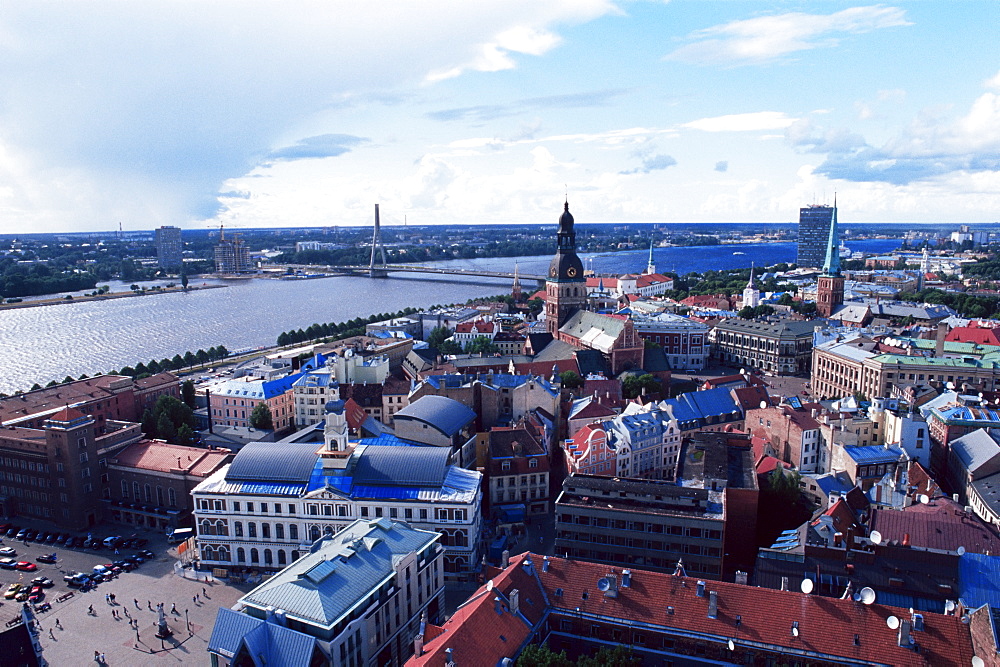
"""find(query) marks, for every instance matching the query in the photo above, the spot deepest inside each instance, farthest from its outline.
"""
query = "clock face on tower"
(553, 272)
(571, 272)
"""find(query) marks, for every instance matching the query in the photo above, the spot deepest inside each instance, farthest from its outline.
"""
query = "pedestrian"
(204, 592)
(58, 624)
(90, 609)
(173, 607)
(136, 601)
(107, 598)
(97, 656)
(125, 609)
(114, 599)
(51, 636)
(102, 659)
(149, 604)
(194, 598)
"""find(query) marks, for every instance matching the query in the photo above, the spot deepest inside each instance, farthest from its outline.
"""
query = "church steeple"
(566, 286)
(831, 267)
(650, 266)
(751, 295)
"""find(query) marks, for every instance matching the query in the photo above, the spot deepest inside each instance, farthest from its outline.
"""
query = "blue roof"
(871, 454)
(273, 462)
(388, 439)
(699, 405)
(269, 642)
(444, 414)
(979, 580)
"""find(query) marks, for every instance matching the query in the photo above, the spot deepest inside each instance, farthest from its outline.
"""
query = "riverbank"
(54, 301)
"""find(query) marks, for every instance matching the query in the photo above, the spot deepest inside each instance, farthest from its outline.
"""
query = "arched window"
(241, 555)
(251, 529)
(281, 556)
(295, 554)
(314, 533)
(254, 556)
(147, 493)
(207, 528)
(222, 553)
(279, 531)
(267, 557)
(208, 552)
(220, 528)
(265, 530)
(238, 529)
(328, 530)
(124, 489)
(159, 495)
(135, 490)
(172, 497)
(293, 531)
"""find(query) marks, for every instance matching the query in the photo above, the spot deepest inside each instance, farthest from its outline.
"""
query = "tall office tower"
(565, 286)
(814, 228)
(169, 247)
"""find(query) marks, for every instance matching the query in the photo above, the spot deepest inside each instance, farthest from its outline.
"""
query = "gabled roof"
(594, 330)
(264, 642)
(940, 524)
(978, 452)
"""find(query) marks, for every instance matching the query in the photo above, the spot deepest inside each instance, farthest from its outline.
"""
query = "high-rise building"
(566, 286)
(168, 247)
(232, 256)
(814, 230)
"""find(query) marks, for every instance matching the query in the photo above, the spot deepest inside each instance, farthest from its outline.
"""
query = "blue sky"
(254, 114)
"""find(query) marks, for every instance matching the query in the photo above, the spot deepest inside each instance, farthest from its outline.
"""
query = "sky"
(267, 114)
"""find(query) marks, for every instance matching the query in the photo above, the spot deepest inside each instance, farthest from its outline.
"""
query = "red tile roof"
(67, 415)
(983, 336)
(827, 626)
(164, 457)
(939, 524)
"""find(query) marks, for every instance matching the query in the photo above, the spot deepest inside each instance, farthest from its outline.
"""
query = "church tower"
(650, 265)
(565, 286)
(830, 285)
(751, 295)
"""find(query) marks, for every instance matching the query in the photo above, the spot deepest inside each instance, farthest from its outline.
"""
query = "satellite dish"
(875, 537)
(980, 395)
(950, 385)
(743, 371)
(977, 661)
(949, 606)
(732, 645)
(923, 498)
(806, 586)
(763, 404)
(603, 584)
(960, 551)
(489, 585)
(867, 595)
(892, 622)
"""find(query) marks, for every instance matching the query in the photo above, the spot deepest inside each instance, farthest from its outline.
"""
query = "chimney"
(505, 559)
(784, 583)
(626, 578)
(498, 605)
(545, 564)
(700, 591)
(528, 567)
(741, 578)
(906, 539)
(449, 659)
(905, 640)
(418, 645)
(942, 331)
(713, 605)
(515, 601)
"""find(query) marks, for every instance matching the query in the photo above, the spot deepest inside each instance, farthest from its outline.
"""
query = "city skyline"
(493, 112)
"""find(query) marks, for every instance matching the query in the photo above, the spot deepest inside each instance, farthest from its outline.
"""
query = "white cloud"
(766, 38)
(993, 82)
(744, 122)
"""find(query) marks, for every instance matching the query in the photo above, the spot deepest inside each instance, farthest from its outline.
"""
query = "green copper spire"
(831, 267)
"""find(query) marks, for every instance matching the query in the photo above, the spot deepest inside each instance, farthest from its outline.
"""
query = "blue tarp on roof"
(979, 580)
(871, 454)
(511, 513)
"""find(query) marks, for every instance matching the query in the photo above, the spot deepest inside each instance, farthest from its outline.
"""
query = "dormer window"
(505, 465)
(532, 463)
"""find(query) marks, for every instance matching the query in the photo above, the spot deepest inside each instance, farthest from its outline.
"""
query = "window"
(293, 532)
(532, 463)
(172, 497)
(251, 529)
(124, 489)
(265, 530)
(364, 512)
(236, 506)
(263, 508)
(238, 530)
(250, 508)
(279, 531)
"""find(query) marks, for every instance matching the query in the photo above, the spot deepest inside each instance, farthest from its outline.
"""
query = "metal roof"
(402, 466)
(273, 462)
(444, 414)
(269, 642)
(870, 454)
(322, 587)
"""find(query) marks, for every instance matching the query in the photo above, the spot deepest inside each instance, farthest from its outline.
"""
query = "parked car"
(147, 554)
(21, 534)
(12, 531)
(44, 582)
(4, 527)
(8, 551)
(22, 595)
(25, 566)
(78, 579)
(12, 591)
(47, 558)
(36, 594)
(8, 563)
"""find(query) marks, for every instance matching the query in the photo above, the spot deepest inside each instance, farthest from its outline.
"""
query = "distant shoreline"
(55, 301)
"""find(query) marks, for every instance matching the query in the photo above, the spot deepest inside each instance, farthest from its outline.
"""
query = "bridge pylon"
(376, 270)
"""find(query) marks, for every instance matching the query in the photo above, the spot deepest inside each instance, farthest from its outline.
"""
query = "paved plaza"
(70, 634)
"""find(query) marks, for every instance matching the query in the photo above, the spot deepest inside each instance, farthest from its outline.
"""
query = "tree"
(481, 345)
(148, 423)
(165, 428)
(223, 352)
(619, 656)
(184, 279)
(177, 361)
(535, 655)
(449, 347)
(188, 393)
(189, 358)
(570, 380)
(634, 386)
(438, 336)
(202, 356)
(186, 436)
(261, 417)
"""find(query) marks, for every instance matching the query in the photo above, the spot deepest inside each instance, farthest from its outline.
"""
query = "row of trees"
(354, 327)
(967, 305)
(177, 362)
(171, 420)
(540, 655)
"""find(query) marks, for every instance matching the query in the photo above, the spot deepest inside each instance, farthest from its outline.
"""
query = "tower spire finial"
(831, 267)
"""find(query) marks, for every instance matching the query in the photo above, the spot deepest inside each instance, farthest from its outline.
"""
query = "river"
(50, 342)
